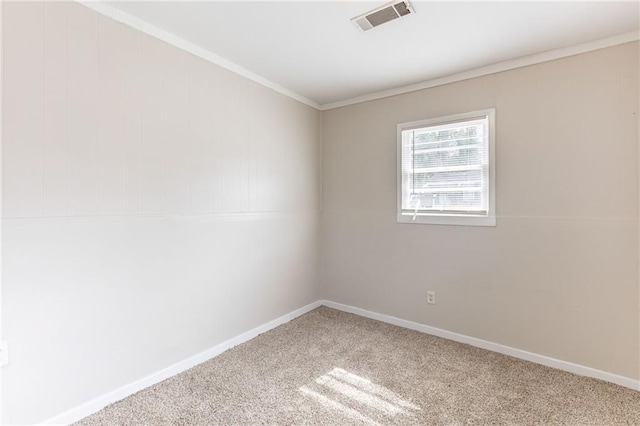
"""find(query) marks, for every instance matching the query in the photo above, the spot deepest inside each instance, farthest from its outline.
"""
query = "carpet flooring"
(332, 368)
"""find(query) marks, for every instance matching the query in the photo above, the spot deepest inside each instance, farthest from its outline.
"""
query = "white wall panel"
(22, 109)
(54, 92)
(82, 107)
(200, 137)
(111, 126)
(152, 117)
(175, 124)
(121, 156)
(132, 108)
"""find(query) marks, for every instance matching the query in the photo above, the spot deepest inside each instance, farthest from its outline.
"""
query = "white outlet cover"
(4, 353)
(431, 297)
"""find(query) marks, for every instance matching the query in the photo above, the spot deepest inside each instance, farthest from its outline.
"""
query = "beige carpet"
(332, 368)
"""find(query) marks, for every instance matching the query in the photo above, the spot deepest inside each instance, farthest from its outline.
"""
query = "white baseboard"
(99, 403)
(495, 347)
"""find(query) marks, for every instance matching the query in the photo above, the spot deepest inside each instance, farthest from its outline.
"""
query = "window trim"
(451, 218)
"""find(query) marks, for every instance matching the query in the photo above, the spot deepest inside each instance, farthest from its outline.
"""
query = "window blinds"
(445, 168)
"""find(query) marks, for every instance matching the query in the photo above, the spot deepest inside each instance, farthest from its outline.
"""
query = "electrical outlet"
(431, 297)
(4, 353)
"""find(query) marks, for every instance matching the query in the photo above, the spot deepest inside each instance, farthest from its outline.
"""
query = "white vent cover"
(385, 13)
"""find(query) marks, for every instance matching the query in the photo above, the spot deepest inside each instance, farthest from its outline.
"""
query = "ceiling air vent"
(382, 14)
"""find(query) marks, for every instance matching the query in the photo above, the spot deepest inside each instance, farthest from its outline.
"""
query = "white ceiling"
(312, 49)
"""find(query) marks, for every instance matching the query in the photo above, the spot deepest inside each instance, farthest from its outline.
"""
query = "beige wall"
(155, 205)
(558, 276)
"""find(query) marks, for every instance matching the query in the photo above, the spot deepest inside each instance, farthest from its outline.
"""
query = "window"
(446, 170)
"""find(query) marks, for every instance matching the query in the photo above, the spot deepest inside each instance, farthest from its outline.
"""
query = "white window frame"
(435, 218)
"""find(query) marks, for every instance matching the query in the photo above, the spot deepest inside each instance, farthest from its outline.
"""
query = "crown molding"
(172, 39)
(510, 64)
(149, 29)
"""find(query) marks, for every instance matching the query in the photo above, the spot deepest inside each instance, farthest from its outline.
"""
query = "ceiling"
(312, 48)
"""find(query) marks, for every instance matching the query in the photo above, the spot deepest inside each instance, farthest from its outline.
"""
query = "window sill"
(459, 220)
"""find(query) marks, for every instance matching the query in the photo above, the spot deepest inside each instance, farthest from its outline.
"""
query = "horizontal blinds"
(445, 168)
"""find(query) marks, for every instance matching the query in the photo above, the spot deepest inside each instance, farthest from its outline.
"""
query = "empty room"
(319, 213)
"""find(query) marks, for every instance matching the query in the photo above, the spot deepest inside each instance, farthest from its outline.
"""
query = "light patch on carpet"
(372, 388)
(335, 405)
(358, 393)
